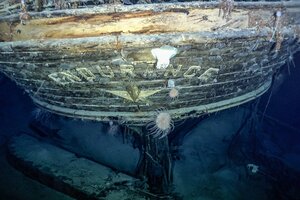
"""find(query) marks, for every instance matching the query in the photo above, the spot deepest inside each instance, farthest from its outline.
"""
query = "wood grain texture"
(99, 62)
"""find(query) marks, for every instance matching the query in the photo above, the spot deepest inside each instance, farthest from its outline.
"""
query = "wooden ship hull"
(143, 64)
(126, 63)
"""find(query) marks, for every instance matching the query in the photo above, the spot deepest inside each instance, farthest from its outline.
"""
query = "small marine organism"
(38, 5)
(24, 15)
(226, 6)
(290, 61)
(173, 93)
(162, 125)
(60, 4)
(277, 34)
(113, 128)
(253, 169)
(11, 2)
(171, 83)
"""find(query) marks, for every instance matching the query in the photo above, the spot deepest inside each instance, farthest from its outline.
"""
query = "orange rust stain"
(103, 18)
(133, 15)
(151, 29)
(146, 30)
(93, 25)
(79, 35)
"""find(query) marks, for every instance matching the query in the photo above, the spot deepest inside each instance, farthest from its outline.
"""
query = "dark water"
(215, 158)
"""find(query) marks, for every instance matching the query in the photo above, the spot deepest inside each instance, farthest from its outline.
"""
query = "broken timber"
(64, 171)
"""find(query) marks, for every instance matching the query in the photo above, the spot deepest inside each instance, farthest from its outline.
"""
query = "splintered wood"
(99, 63)
(146, 22)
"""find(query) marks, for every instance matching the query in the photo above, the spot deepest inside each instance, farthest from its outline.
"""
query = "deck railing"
(14, 6)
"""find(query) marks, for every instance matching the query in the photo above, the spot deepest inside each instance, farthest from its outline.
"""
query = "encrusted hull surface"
(102, 70)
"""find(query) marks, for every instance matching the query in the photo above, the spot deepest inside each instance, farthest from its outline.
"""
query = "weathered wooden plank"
(191, 97)
(141, 118)
(92, 60)
(226, 65)
(64, 171)
(134, 55)
(81, 88)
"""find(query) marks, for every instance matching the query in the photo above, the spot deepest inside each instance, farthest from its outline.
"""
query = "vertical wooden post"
(159, 171)
(38, 5)
(156, 165)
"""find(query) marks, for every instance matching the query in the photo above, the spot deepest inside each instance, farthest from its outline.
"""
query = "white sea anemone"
(173, 93)
(113, 128)
(162, 125)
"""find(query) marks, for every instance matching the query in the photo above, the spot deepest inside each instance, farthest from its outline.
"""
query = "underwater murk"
(149, 99)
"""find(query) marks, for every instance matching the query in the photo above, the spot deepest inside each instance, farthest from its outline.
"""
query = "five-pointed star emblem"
(141, 96)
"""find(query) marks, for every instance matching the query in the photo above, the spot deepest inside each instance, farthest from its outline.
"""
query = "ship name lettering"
(85, 74)
(63, 78)
(191, 72)
(127, 70)
(108, 74)
(172, 71)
